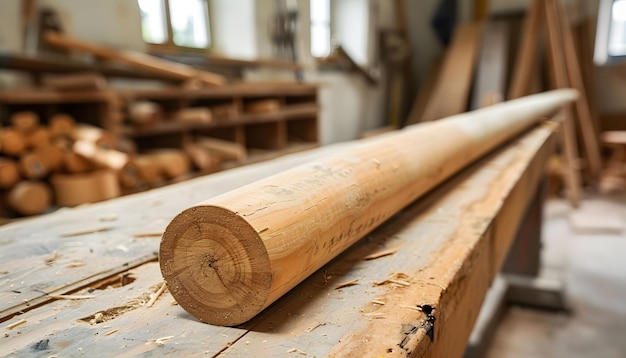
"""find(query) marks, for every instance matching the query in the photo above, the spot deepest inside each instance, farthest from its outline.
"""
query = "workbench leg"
(519, 282)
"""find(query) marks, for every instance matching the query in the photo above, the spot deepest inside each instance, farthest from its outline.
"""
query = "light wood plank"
(451, 92)
(526, 59)
(560, 77)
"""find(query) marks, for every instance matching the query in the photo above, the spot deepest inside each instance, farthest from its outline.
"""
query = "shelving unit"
(290, 123)
(263, 121)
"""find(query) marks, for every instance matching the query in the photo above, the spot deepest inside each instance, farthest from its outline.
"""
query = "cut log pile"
(61, 162)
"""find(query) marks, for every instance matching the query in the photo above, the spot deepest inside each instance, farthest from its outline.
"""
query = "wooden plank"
(442, 246)
(490, 83)
(451, 92)
(526, 60)
(560, 76)
(135, 59)
(585, 120)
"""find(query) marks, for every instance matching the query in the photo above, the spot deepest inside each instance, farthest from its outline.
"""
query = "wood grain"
(228, 258)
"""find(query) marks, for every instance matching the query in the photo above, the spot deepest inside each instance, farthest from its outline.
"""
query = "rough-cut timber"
(226, 259)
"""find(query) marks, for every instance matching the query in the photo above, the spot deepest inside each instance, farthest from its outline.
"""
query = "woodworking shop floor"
(587, 249)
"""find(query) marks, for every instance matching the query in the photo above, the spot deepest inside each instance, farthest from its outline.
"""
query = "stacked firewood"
(66, 164)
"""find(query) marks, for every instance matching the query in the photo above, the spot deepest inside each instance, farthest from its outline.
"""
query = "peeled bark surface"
(228, 258)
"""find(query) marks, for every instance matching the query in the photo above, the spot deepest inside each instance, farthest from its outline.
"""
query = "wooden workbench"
(82, 277)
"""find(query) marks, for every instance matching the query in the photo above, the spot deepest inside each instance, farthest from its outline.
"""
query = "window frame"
(169, 46)
(330, 30)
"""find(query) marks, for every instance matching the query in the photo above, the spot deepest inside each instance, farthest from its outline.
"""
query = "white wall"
(115, 23)
(234, 28)
(11, 38)
(348, 104)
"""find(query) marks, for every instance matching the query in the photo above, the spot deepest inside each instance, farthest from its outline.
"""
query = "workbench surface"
(79, 281)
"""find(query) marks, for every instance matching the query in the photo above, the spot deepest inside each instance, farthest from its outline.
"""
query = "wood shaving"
(52, 258)
(87, 231)
(411, 307)
(15, 324)
(75, 264)
(348, 284)
(156, 295)
(148, 234)
(111, 332)
(380, 254)
(378, 302)
(71, 297)
(295, 350)
(398, 278)
(161, 341)
(372, 314)
(311, 329)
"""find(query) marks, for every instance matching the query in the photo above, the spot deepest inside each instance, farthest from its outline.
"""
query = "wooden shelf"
(39, 97)
(288, 113)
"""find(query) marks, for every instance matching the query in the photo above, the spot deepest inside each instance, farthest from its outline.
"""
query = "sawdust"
(131, 305)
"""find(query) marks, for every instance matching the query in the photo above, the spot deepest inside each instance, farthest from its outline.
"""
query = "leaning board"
(446, 249)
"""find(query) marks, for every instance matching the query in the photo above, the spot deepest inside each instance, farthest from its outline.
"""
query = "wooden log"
(98, 136)
(41, 162)
(30, 198)
(25, 122)
(76, 81)
(224, 149)
(9, 173)
(144, 113)
(108, 158)
(148, 170)
(62, 125)
(203, 159)
(228, 258)
(11, 142)
(173, 162)
(225, 111)
(194, 115)
(38, 138)
(75, 163)
(76, 189)
(135, 59)
(263, 106)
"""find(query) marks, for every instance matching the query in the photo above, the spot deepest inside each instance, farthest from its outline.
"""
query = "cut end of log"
(215, 265)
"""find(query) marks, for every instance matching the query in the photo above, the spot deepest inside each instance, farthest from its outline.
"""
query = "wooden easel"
(565, 72)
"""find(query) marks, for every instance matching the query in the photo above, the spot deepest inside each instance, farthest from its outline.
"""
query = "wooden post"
(228, 258)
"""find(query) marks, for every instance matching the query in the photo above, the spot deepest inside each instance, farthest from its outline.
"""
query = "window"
(617, 34)
(610, 32)
(180, 23)
(320, 28)
(344, 23)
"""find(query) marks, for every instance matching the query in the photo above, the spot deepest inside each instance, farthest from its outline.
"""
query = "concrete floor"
(586, 249)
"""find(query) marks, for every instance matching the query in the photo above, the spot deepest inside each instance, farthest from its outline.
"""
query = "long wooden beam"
(228, 258)
(135, 59)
